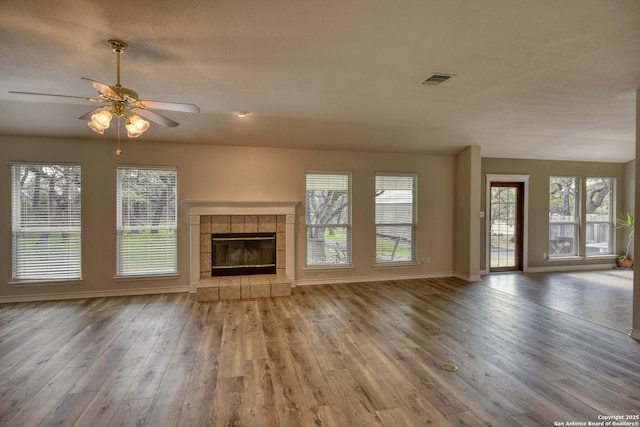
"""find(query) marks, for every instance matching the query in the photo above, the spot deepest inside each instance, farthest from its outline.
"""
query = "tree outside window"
(565, 197)
(328, 218)
(563, 220)
(46, 222)
(599, 211)
(146, 225)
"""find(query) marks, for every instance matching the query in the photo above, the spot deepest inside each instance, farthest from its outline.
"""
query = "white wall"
(229, 174)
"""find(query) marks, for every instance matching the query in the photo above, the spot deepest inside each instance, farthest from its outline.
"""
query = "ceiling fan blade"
(171, 106)
(103, 89)
(156, 118)
(88, 115)
(59, 96)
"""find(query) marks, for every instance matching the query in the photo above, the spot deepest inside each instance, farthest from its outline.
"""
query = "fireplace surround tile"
(267, 223)
(237, 224)
(205, 262)
(220, 224)
(205, 224)
(251, 223)
(207, 217)
(205, 242)
(241, 224)
(245, 287)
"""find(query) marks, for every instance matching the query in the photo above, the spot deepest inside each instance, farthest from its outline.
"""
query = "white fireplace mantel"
(196, 208)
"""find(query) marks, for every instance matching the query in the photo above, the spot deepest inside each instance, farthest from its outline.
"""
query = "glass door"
(506, 223)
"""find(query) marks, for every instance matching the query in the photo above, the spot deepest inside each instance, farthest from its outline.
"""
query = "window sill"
(145, 277)
(583, 258)
(46, 282)
(603, 256)
(396, 264)
(565, 258)
(328, 267)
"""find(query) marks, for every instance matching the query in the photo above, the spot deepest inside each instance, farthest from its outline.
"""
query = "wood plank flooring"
(360, 354)
(601, 296)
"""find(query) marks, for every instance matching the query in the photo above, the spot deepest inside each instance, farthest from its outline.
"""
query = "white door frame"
(524, 179)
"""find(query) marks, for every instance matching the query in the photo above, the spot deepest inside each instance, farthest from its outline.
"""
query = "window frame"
(347, 254)
(171, 268)
(49, 268)
(575, 222)
(413, 224)
(610, 222)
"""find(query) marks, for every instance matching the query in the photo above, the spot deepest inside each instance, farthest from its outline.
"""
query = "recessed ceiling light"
(241, 113)
(436, 79)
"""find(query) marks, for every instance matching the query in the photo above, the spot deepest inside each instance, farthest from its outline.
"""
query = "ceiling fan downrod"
(118, 47)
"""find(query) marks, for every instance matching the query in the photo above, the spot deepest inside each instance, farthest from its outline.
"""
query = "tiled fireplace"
(209, 218)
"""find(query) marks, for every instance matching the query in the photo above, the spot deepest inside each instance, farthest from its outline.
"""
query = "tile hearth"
(243, 287)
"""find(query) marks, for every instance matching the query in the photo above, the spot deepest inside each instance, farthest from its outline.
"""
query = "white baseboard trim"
(92, 294)
(334, 280)
(556, 268)
(468, 277)
(635, 334)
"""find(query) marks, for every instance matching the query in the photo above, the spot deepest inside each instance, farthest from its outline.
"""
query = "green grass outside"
(148, 252)
(384, 247)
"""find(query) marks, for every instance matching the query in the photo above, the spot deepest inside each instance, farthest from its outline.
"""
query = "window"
(395, 202)
(328, 218)
(146, 221)
(599, 216)
(45, 222)
(563, 216)
(566, 200)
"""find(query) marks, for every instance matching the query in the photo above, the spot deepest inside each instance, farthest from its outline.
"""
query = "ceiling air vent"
(436, 79)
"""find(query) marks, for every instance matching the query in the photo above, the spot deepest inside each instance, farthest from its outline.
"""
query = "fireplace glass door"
(243, 253)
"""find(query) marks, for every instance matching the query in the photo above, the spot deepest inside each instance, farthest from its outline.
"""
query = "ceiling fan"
(123, 102)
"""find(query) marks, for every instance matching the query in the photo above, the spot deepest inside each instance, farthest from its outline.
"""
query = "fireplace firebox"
(234, 254)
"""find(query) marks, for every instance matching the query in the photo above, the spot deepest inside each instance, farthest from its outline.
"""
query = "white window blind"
(46, 215)
(146, 221)
(328, 218)
(395, 203)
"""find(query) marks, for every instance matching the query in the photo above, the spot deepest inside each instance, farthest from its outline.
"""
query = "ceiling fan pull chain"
(118, 151)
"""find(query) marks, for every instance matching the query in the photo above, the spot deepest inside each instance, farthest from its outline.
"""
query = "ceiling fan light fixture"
(136, 126)
(123, 102)
(100, 121)
(103, 118)
(96, 128)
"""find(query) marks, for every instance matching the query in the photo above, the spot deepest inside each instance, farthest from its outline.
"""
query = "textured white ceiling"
(540, 79)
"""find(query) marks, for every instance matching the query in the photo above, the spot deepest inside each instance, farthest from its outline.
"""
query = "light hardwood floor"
(601, 296)
(360, 354)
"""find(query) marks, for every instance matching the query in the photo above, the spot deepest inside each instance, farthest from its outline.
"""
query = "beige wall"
(635, 321)
(539, 172)
(467, 211)
(230, 174)
(630, 193)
